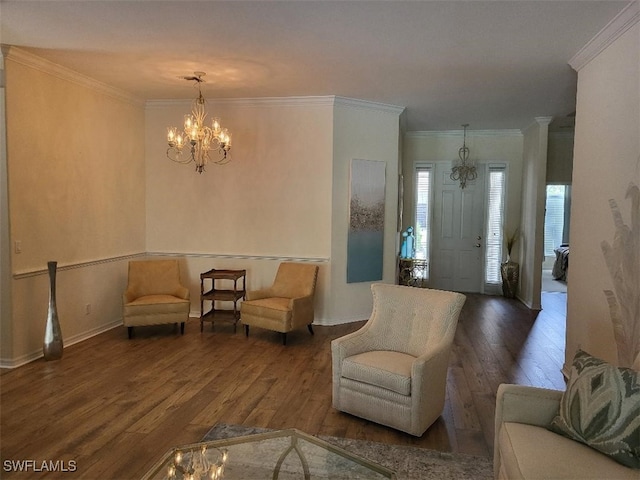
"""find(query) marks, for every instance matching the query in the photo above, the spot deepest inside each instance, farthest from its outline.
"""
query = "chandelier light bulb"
(171, 136)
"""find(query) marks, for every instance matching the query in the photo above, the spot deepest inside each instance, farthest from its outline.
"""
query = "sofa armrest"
(523, 404)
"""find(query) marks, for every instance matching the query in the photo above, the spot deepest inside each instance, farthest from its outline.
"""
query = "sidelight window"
(424, 187)
(494, 228)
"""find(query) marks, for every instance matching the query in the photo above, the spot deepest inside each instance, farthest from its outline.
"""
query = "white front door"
(457, 242)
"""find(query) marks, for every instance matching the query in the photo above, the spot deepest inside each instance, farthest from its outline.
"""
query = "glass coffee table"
(284, 454)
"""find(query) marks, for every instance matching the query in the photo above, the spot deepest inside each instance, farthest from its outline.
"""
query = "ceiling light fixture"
(464, 170)
(201, 138)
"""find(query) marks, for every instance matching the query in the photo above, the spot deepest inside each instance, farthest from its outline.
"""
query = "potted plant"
(510, 270)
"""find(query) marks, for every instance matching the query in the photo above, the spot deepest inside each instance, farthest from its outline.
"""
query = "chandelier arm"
(175, 156)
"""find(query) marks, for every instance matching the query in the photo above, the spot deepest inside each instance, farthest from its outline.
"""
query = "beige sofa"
(525, 449)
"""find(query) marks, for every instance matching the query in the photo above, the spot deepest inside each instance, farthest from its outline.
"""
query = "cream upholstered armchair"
(155, 295)
(393, 370)
(286, 305)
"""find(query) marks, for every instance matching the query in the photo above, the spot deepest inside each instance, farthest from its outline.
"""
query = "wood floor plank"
(115, 405)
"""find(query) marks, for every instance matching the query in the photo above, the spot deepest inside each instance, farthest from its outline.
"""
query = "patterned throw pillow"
(601, 408)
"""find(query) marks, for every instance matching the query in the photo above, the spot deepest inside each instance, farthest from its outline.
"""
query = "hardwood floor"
(114, 406)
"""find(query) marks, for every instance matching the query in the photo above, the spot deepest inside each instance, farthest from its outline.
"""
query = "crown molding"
(251, 102)
(368, 105)
(538, 122)
(470, 133)
(28, 59)
(622, 22)
(295, 101)
(543, 120)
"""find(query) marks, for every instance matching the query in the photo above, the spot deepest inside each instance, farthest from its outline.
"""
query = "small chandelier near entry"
(464, 170)
(201, 138)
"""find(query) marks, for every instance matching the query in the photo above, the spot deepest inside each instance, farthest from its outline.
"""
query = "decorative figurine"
(407, 250)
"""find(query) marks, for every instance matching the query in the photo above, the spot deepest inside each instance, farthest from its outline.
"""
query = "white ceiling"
(492, 64)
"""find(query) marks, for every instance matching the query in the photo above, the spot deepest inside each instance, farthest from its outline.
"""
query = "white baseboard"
(30, 357)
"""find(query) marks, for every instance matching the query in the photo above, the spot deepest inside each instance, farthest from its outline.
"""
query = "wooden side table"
(218, 279)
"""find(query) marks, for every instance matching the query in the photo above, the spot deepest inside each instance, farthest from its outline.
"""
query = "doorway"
(556, 238)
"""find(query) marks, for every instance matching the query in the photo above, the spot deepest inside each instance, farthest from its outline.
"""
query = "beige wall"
(367, 132)
(560, 158)
(272, 199)
(76, 195)
(77, 187)
(607, 159)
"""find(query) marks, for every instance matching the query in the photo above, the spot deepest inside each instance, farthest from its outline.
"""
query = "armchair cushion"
(156, 304)
(276, 308)
(385, 369)
(601, 408)
(531, 452)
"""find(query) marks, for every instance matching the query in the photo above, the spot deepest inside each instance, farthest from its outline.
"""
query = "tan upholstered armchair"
(155, 295)
(286, 305)
(393, 370)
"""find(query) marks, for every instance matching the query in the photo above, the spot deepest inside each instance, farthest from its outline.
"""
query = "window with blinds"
(424, 181)
(495, 217)
(554, 219)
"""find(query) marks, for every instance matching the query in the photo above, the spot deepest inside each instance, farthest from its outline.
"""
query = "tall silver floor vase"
(52, 346)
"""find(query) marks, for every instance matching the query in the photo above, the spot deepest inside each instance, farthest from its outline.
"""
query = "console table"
(222, 291)
(412, 272)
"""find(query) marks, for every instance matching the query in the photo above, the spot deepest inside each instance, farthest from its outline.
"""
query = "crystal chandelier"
(464, 170)
(199, 139)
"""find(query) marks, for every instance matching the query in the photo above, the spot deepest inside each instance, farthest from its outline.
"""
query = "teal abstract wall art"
(365, 241)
